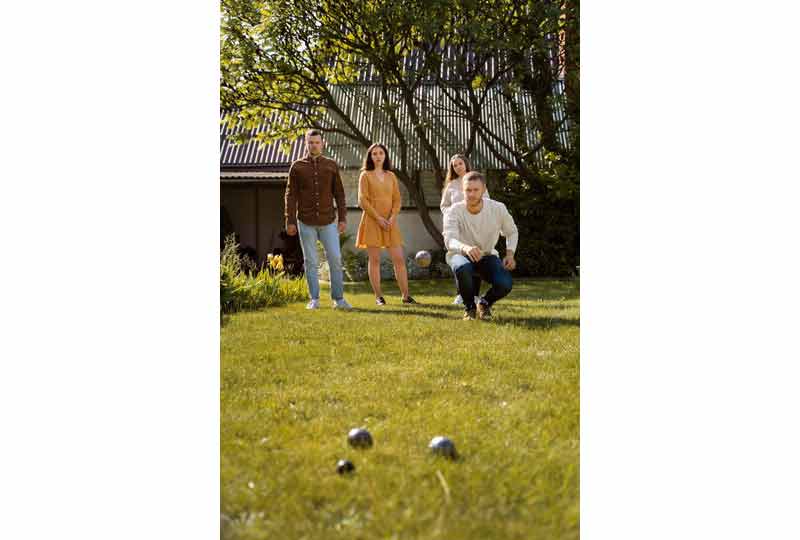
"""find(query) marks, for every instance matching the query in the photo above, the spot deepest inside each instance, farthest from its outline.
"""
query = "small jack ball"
(423, 258)
(359, 438)
(344, 466)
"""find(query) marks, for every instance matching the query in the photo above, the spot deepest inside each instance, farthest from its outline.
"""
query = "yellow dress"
(378, 198)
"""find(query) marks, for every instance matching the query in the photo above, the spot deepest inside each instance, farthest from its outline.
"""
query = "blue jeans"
(490, 269)
(329, 236)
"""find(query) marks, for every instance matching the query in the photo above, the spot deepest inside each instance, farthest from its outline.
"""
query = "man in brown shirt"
(314, 183)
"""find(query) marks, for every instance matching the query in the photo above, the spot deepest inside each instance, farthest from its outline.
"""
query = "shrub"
(546, 211)
(355, 264)
(242, 287)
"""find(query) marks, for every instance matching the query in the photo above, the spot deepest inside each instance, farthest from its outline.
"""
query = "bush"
(242, 288)
(547, 213)
(355, 265)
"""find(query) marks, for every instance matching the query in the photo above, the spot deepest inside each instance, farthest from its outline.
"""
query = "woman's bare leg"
(400, 272)
(374, 270)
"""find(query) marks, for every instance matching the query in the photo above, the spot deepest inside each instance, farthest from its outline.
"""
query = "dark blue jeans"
(490, 269)
(476, 284)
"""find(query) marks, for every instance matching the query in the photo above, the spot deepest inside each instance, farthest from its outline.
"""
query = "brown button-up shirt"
(313, 185)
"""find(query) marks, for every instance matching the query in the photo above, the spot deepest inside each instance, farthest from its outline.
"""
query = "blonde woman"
(452, 194)
(379, 198)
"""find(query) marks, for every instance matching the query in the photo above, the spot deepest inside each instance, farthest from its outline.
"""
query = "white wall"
(415, 235)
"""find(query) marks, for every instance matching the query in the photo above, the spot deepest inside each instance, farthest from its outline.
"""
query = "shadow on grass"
(533, 323)
(415, 311)
(530, 289)
(533, 304)
(546, 290)
(455, 313)
(411, 307)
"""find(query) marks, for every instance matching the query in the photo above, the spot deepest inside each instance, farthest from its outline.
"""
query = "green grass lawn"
(505, 391)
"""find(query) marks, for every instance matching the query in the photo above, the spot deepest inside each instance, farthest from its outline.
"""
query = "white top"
(454, 194)
(462, 228)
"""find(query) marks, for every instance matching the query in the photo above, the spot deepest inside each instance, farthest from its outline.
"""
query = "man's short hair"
(474, 175)
(314, 132)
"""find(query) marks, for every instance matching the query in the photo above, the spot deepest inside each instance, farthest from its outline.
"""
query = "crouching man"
(471, 230)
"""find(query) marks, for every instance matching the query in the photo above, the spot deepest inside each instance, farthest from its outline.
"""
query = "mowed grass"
(505, 391)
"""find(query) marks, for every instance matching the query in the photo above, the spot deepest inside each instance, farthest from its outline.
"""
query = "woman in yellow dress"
(379, 198)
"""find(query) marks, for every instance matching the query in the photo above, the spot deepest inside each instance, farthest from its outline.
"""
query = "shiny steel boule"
(359, 438)
(442, 446)
(344, 466)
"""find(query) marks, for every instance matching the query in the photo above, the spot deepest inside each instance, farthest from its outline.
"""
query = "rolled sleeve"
(509, 230)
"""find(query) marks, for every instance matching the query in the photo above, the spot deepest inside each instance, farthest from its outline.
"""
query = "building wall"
(415, 235)
(432, 194)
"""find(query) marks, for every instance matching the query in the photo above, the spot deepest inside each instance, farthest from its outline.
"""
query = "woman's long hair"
(369, 165)
(451, 173)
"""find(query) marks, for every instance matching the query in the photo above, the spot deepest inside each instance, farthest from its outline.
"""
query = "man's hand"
(342, 226)
(291, 230)
(473, 252)
(508, 261)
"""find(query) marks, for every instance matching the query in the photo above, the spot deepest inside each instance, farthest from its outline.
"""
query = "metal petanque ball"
(423, 258)
(344, 466)
(359, 438)
(442, 446)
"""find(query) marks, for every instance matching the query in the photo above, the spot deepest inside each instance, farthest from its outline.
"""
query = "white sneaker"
(341, 304)
(314, 304)
(457, 301)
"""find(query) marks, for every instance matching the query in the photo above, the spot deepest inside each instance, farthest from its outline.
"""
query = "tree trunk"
(542, 90)
(412, 182)
(414, 187)
(571, 59)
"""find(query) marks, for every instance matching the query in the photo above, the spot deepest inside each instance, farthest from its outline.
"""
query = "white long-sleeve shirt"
(463, 229)
(454, 193)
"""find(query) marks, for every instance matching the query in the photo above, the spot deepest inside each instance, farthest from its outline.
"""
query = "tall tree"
(283, 59)
(514, 47)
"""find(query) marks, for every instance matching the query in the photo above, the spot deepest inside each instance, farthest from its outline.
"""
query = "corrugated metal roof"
(446, 130)
(232, 155)
(448, 68)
